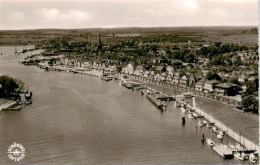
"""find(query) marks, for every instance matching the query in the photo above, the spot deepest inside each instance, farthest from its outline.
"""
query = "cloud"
(125, 13)
(55, 15)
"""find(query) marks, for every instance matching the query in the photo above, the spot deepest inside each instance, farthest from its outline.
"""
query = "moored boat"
(210, 142)
(219, 136)
(215, 129)
(240, 155)
(200, 124)
(252, 158)
(190, 116)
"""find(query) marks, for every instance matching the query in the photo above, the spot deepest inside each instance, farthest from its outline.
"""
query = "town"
(220, 67)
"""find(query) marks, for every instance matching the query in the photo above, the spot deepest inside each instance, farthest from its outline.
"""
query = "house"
(163, 76)
(200, 84)
(226, 89)
(169, 78)
(157, 77)
(176, 79)
(210, 85)
(139, 70)
(129, 69)
(243, 78)
(184, 81)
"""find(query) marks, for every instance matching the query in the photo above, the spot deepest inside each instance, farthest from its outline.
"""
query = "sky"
(69, 14)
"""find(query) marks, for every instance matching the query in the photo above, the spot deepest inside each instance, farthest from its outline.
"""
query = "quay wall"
(231, 133)
(236, 136)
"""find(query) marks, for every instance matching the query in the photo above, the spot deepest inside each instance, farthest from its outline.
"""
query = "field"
(246, 35)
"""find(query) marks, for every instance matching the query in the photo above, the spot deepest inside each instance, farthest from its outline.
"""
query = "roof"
(212, 82)
(226, 85)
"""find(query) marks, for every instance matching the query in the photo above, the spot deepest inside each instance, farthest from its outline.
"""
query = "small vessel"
(215, 129)
(200, 124)
(190, 116)
(183, 110)
(239, 147)
(252, 158)
(205, 122)
(209, 125)
(240, 155)
(231, 146)
(195, 115)
(202, 138)
(219, 136)
(210, 142)
(221, 132)
(183, 120)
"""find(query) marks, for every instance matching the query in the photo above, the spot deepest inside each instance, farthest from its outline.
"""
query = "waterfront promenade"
(242, 123)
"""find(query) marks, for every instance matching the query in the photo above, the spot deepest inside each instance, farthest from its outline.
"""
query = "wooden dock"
(223, 151)
(155, 102)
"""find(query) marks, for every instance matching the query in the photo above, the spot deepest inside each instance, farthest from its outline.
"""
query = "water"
(79, 119)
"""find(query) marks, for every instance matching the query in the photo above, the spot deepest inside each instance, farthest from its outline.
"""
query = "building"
(129, 69)
(184, 81)
(210, 85)
(226, 89)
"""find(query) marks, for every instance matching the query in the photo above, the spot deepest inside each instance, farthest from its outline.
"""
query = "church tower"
(99, 42)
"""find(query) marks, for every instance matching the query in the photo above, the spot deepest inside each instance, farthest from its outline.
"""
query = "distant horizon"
(128, 27)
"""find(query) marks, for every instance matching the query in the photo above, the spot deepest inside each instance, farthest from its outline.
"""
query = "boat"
(215, 129)
(195, 115)
(219, 136)
(183, 110)
(240, 155)
(252, 158)
(205, 122)
(221, 132)
(238, 147)
(190, 116)
(209, 125)
(231, 146)
(200, 124)
(210, 142)
(202, 138)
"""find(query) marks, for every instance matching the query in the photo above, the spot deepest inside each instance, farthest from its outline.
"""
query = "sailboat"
(220, 136)
(200, 124)
(210, 142)
(190, 116)
(15, 50)
(252, 158)
(240, 156)
(215, 129)
(231, 145)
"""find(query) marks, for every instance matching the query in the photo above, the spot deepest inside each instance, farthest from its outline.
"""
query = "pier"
(250, 145)
(155, 102)
(223, 151)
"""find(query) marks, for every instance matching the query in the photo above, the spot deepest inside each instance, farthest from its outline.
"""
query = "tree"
(249, 103)
(212, 76)
(250, 90)
(190, 58)
(9, 86)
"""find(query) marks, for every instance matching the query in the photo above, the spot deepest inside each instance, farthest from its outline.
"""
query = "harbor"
(188, 99)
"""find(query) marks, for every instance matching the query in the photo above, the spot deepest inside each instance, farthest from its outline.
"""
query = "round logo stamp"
(16, 152)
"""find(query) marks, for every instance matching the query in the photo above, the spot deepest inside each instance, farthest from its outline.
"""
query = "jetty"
(250, 145)
(223, 151)
(155, 102)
